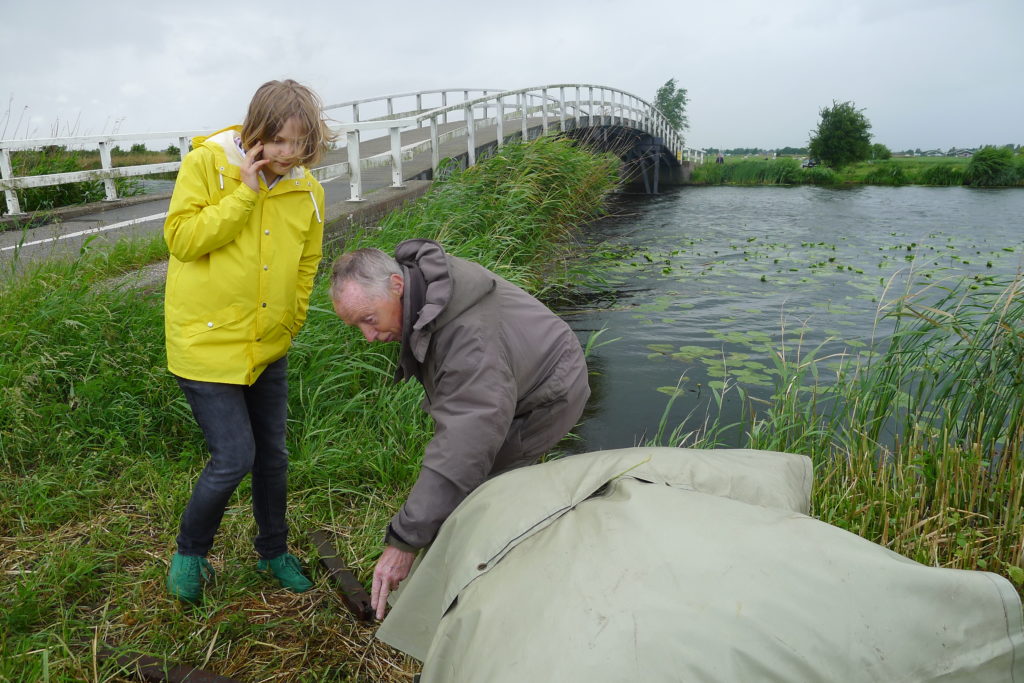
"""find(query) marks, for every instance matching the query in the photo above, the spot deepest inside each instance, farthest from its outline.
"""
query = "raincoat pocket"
(212, 321)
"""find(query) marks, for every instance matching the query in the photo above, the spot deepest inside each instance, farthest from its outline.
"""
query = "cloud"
(928, 72)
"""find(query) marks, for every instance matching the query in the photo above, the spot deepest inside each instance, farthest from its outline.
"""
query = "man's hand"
(251, 165)
(392, 567)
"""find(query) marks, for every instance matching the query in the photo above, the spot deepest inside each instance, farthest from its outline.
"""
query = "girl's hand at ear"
(251, 165)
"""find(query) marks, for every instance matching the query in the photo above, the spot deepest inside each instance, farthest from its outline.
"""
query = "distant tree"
(173, 150)
(842, 135)
(880, 152)
(139, 148)
(671, 101)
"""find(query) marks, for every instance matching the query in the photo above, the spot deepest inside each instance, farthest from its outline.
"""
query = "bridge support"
(647, 163)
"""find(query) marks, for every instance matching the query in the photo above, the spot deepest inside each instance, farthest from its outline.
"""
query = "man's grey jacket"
(504, 377)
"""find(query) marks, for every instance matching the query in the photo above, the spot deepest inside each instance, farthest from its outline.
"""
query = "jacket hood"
(439, 287)
(225, 145)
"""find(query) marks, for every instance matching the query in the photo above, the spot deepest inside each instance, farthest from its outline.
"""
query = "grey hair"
(369, 268)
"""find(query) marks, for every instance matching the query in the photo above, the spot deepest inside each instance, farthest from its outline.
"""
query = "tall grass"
(57, 159)
(98, 451)
(992, 167)
(917, 443)
(782, 171)
(513, 211)
(989, 167)
(886, 173)
(942, 174)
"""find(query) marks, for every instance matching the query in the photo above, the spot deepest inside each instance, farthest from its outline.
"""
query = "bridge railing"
(607, 106)
(107, 172)
(595, 104)
(586, 104)
(390, 102)
(10, 183)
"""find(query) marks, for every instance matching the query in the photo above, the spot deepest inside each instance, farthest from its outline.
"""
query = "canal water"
(695, 289)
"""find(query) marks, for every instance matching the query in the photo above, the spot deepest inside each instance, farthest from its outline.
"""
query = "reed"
(886, 173)
(782, 171)
(993, 167)
(942, 174)
(894, 172)
(916, 442)
(819, 175)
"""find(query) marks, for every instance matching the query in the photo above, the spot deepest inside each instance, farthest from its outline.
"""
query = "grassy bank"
(99, 451)
(988, 168)
(917, 441)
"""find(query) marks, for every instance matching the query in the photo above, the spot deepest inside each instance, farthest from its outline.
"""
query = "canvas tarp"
(663, 564)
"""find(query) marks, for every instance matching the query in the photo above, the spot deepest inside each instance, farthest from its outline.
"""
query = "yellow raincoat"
(242, 264)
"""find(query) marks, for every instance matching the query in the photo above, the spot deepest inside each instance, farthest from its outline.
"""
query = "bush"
(783, 171)
(819, 175)
(887, 173)
(710, 173)
(842, 137)
(992, 167)
(943, 174)
(1018, 167)
(880, 152)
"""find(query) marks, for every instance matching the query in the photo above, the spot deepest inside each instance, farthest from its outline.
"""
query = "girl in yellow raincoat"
(245, 230)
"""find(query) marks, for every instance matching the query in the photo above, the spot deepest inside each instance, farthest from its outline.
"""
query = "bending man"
(504, 377)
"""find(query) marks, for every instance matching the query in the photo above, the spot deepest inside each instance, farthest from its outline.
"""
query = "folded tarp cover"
(666, 564)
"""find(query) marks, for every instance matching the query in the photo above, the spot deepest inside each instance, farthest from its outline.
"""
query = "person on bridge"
(505, 378)
(245, 230)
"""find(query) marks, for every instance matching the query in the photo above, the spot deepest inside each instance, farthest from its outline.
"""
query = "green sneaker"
(288, 571)
(188, 572)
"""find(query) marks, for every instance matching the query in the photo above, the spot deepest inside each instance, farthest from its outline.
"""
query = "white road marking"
(90, 231)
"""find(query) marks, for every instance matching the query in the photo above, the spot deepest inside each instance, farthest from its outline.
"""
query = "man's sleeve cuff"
(393, 539)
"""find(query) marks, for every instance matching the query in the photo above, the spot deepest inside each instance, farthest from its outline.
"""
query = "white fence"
(556, 106)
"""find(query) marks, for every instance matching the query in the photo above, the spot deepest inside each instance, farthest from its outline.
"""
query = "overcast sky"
(928, 73)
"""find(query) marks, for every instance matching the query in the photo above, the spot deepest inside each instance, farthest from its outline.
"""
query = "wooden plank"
(353, 594)
(159, 671)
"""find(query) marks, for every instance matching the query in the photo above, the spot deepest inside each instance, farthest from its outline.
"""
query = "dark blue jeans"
(244, 428)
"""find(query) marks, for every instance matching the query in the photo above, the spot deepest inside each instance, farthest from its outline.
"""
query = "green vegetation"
(913, 449)
(941, 174)
(671, 101)
(886, 173)
(784, 171)
(917, 442)
(99, 451)
(880, 152)
(58, 159)
(992, 166)
(989, 167)
(842, 136)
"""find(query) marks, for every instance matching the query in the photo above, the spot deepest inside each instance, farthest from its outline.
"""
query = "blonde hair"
(277, 101)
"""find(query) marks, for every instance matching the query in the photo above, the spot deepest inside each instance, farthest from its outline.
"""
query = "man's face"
(378, 315)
